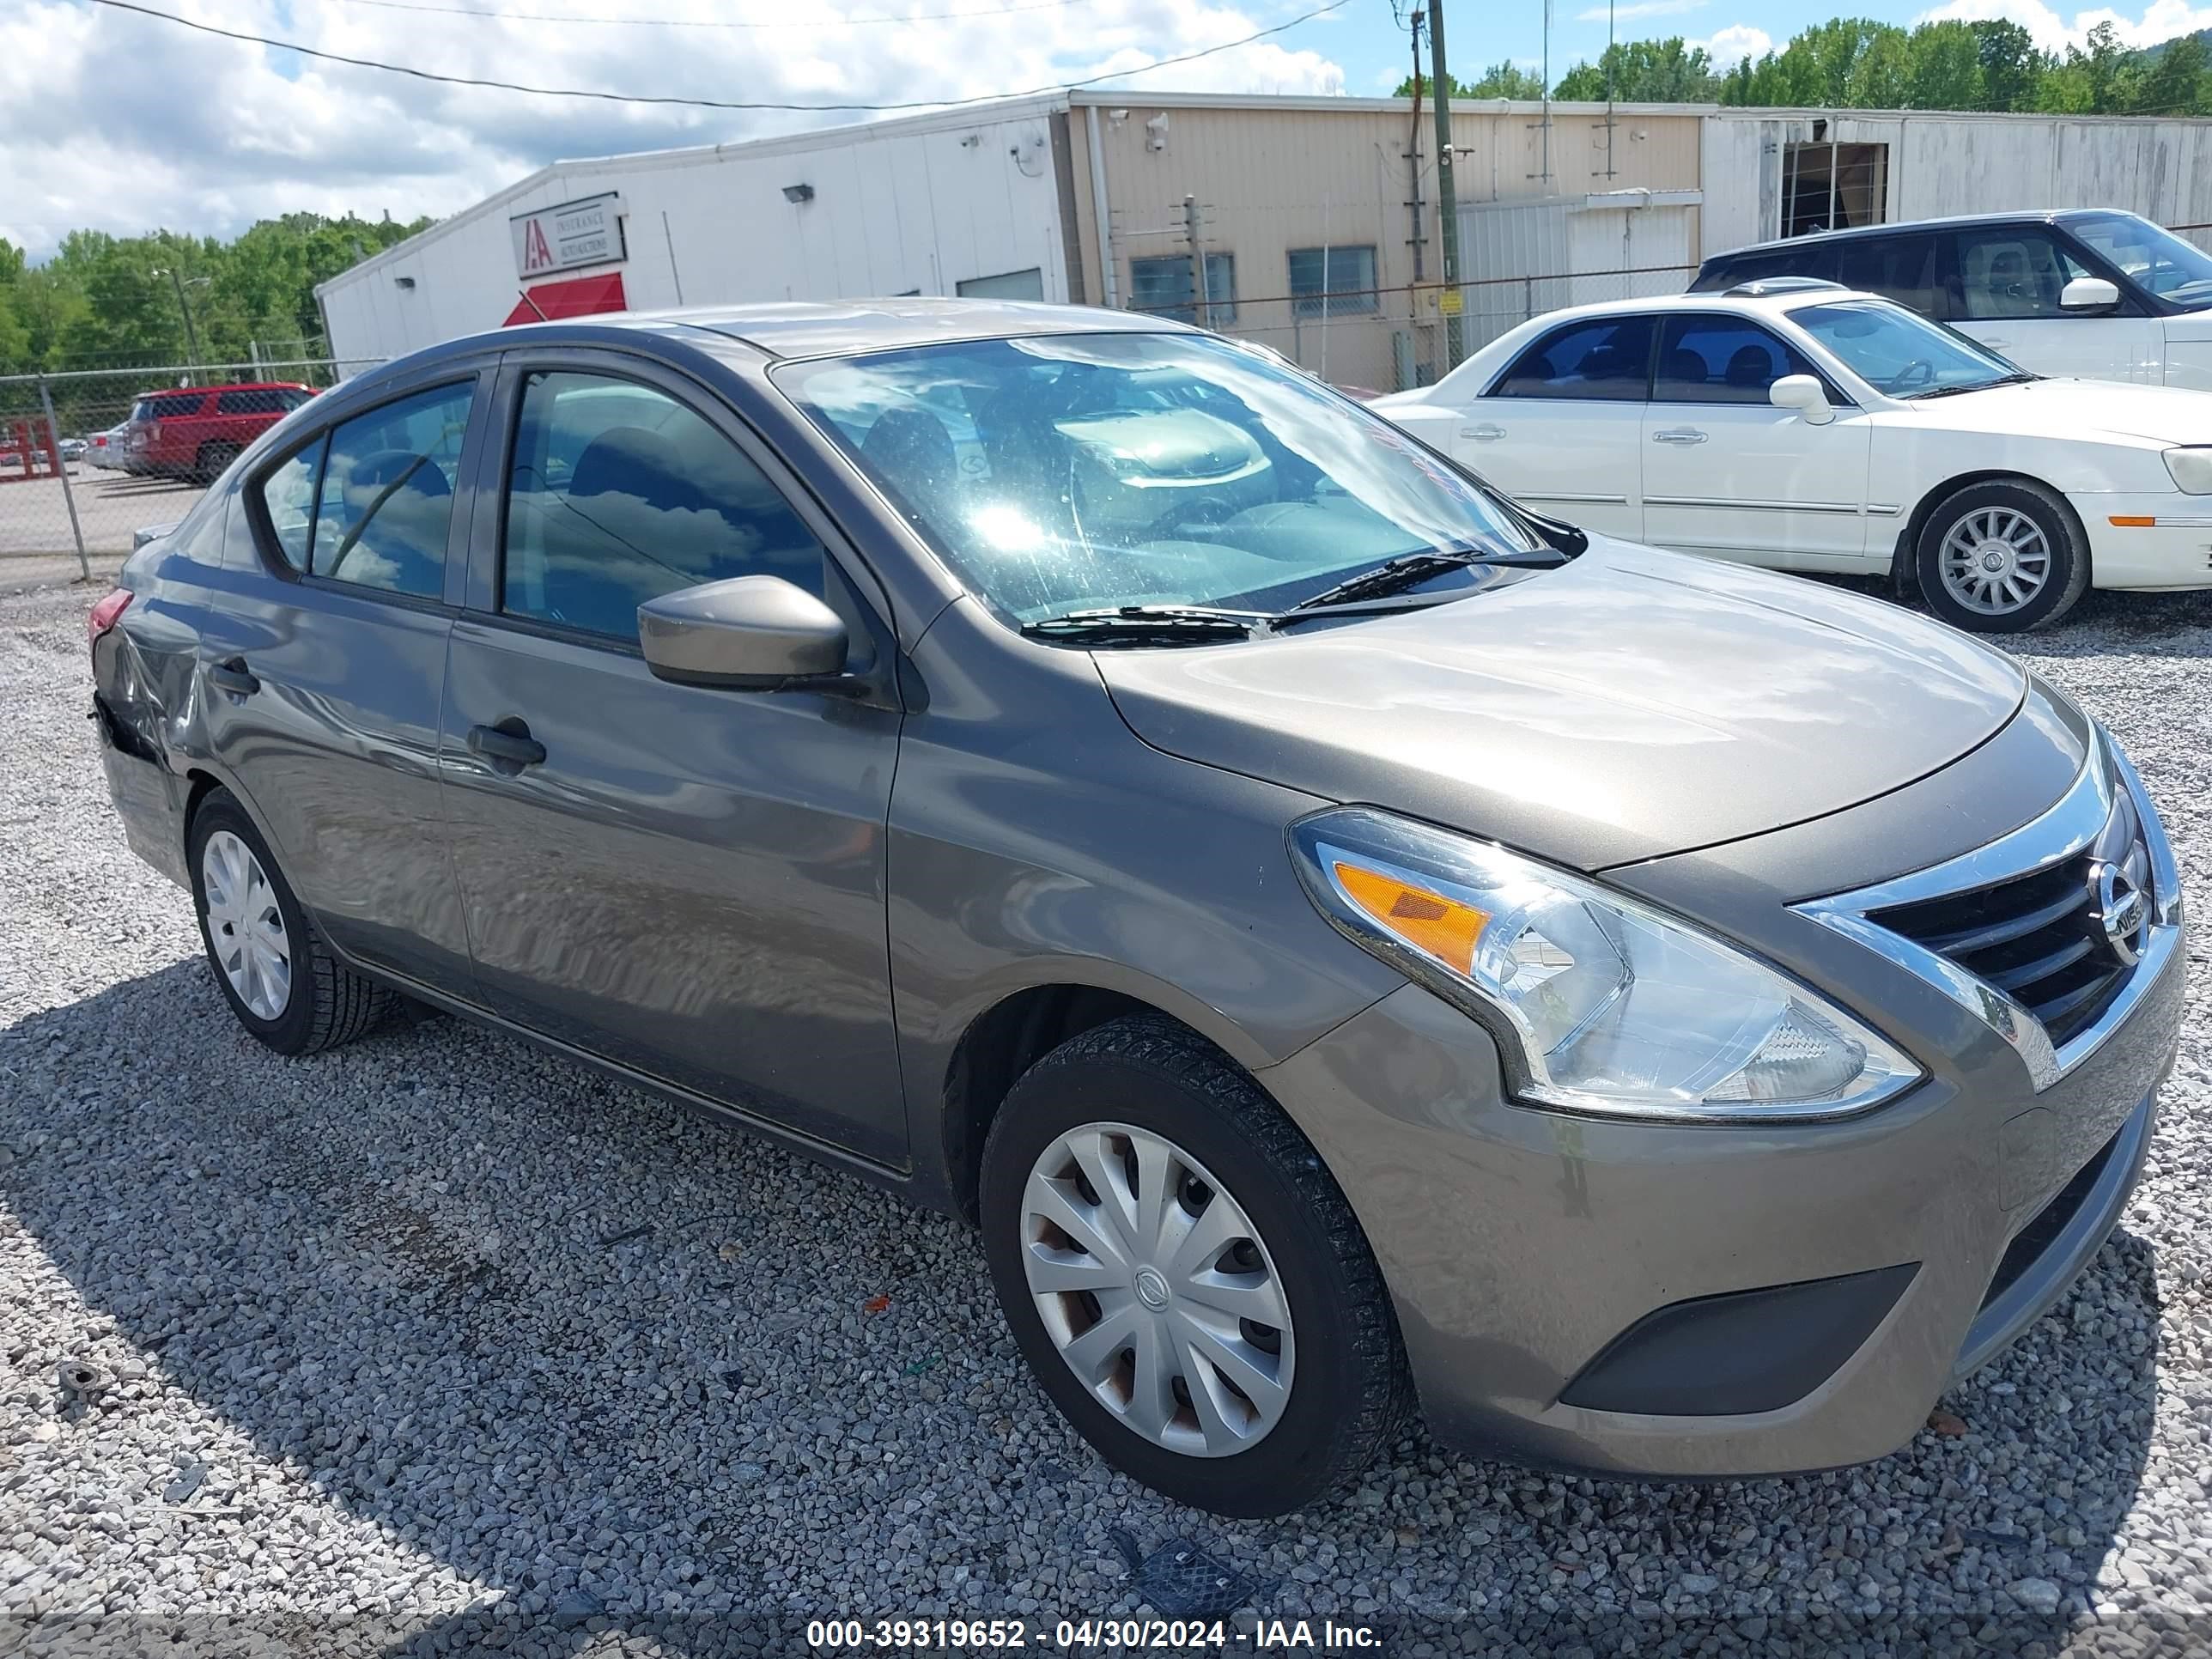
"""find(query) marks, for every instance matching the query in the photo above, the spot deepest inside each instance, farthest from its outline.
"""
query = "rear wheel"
(2003, 557)
(273, 969)
(213, 459)
(1184, 1278)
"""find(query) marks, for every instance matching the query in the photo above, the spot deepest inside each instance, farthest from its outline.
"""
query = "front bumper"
(1636, 1298)
(2148, 542)
(1519, 1244)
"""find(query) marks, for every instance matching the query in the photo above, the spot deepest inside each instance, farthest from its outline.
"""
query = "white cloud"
(129, 123)
(2161, 20)
(1622, 13)
(1731, 45)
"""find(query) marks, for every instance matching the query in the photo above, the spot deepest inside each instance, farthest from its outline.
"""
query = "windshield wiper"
(1396, 576)
(1144, 624)
(2021, 378)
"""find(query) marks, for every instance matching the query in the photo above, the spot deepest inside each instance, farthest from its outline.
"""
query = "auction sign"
(585, 233)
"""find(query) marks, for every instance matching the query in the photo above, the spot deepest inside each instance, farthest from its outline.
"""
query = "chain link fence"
(88, 456)
(1392, 339)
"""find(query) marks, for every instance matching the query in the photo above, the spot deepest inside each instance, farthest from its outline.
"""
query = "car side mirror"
(746, 634)
(2089, 295)
(1803, 393)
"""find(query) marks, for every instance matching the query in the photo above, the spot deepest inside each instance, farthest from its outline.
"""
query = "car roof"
(1857, 232)
(786, 329)
(1793, 300)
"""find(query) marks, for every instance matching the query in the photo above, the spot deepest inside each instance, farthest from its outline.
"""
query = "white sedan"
(1803, 426)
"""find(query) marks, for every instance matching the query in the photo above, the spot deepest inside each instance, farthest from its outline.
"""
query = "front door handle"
(1679, 435)
(1485, 433)
(507, 744)
(234, 677)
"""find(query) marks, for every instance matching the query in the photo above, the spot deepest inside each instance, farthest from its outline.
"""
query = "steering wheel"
(1917, 372)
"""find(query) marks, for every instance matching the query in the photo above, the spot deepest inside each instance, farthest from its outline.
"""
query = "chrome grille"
(2042, 938)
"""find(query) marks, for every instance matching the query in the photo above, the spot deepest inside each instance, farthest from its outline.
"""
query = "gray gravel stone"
(361, 1304)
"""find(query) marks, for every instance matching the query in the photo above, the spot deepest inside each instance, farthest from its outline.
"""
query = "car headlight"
(2192, 470)
(1600, 1003)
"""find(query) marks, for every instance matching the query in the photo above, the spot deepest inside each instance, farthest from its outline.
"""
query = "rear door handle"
(232, 676)
(1679, 435)
(1485, 433)
(508, 745)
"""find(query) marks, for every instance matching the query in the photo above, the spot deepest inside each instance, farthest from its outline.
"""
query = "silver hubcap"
(1157, 1290)
(1995, 561)
(245, 926)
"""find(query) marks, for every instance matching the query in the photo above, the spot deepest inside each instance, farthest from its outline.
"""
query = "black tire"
(328, 1003)
(1350, 1395)
(212, 460)
(2063, 585)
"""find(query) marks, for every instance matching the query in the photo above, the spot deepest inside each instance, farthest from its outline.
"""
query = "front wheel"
(2003, 557)
(279, 978)
(1184, 1276)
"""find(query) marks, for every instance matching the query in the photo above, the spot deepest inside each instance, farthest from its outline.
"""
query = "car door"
(1559, 428)
(324, 668)
(688, 881)
(1727, 473)
(2006, 287)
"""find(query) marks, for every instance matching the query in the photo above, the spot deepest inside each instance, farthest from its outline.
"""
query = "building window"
(1163, 286)
(1333, 282)
(1007, 285)
(1828, 187)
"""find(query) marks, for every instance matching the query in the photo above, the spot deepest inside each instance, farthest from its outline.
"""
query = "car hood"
(2080, 409)
(1631, 704)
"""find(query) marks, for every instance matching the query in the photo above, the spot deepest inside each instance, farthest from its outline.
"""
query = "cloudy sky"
(123, 123)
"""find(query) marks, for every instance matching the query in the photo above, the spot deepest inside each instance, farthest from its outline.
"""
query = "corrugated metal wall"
(1948, 164)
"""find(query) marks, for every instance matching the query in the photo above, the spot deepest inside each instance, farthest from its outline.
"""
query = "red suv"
(195, 433)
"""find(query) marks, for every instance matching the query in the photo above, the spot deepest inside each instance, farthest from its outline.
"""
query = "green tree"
(1668, 71)
(2012, 66)
(2171, 80)
(1945, 68)
(2092, 82)
(1505, 80)
(1880, 74)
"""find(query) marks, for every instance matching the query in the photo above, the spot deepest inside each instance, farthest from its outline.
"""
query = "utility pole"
(1447, 201)
(1413, 172)
(1201, 313)
(191, 336)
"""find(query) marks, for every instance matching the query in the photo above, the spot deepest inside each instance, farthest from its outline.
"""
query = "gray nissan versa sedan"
(1346, 940)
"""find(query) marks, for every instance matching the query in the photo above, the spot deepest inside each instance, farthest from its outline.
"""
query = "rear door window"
(253, 400)
(372, 501)
(1604, 359)
(1899, 268)
(175, 409)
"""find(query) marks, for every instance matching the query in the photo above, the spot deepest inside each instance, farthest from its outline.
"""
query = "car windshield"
(2153, 257)
(1077, 472)
(1900, 352)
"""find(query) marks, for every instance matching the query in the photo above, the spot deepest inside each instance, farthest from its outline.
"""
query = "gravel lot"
(437, 1345)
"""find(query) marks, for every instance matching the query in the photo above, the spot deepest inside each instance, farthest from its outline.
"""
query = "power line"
(493, 13)
(709, 103)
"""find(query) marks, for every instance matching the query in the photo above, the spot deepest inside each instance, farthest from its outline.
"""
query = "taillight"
(106, 613)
